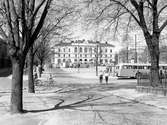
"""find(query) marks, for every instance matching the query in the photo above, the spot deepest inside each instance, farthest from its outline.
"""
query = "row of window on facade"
(83, 55)
(85, 50)
(85, 60)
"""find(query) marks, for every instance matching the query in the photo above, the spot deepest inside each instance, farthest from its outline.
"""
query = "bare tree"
(19, 32)
(44, 53)
(147, 14)
(58, 22)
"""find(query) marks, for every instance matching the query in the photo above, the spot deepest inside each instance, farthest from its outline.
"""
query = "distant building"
(81, 52)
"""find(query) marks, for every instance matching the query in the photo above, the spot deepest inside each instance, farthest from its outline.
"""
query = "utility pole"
(78, 57)
(97, 59)
(135, 49)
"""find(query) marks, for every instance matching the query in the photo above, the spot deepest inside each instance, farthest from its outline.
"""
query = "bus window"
(140, 67)
(129, 67)
(134, 67)
(124, 67)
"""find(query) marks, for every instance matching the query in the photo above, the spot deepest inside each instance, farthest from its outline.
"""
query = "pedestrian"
(39, 71)
(106, 75)
(101, 77)
(35, 72)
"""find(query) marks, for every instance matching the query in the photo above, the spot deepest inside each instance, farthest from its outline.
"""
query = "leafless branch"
(163, 25)
(37, 8)
(40, 23)
(119, 3)
(162, 9)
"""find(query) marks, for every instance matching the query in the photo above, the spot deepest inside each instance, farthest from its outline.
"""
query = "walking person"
(39, 71)
(101, 77)
(106, 75)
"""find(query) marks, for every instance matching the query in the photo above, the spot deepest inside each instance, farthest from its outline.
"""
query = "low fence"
(144, 83)
(144, 79)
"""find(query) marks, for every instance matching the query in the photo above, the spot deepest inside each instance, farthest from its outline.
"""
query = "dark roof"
(63, 44)
(82, 41)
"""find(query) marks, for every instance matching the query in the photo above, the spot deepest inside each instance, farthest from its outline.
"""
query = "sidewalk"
(158, 101)
(41, 106)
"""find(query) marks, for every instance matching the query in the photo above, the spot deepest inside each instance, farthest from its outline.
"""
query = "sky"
(81, 33)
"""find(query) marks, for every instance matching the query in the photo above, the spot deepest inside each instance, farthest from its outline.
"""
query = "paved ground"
(74, 99)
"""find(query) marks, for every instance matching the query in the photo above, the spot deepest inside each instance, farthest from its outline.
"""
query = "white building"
(83, 52)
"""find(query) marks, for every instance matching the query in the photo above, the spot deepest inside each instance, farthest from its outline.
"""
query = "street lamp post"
(135, 49)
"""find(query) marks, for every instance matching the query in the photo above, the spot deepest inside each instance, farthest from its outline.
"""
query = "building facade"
(82, 52)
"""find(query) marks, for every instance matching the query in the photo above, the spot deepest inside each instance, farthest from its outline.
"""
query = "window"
(75, 55)
(134, 67)
(69, 49)
(75, 50)
(110, 60)
(94, 50)
(129, 67)
(106, 60)
(90, 50)
(64, 49)
(85, 49)
(68, 55)
(85, 60)
(105, 50)
(80, 49)
(69, 60)
(106, 56)
(124, 67)
(59, 60)
(58, 55)
(64, 60)
(111, 56)
(59, 50)
(85, 55)
(80, 55)
(90, 60)
(75, 60)
(64, 55)
(101, 61)
(110, 50)
(140, 67)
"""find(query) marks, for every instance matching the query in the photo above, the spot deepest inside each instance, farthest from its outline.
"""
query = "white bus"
(129, 70)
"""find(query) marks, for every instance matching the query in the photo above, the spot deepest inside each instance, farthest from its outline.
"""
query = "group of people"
(105, 74)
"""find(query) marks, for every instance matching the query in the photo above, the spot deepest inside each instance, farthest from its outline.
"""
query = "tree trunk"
(154, 54)
(17, 84)
(31, 88)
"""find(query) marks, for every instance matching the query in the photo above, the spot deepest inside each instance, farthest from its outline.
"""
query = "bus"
(129, 70)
